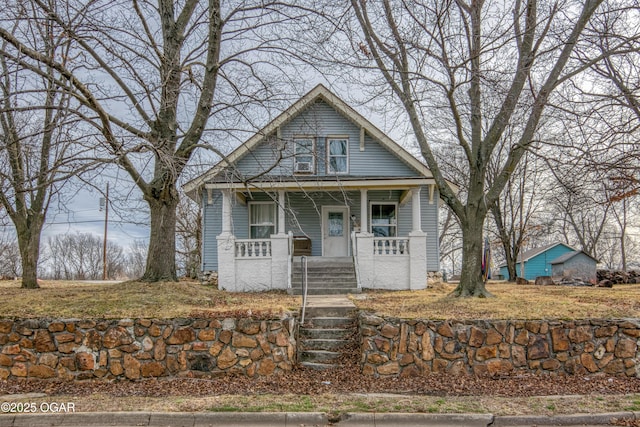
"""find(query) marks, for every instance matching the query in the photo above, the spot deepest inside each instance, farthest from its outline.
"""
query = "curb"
(415, 420)
(563, 420)
(290, 419)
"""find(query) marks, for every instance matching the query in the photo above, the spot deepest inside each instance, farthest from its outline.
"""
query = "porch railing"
(356, 263)
(391, 246)
(253, 248)
(289, 259)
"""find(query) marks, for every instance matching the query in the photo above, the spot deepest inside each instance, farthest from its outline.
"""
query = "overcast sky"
(80, 211)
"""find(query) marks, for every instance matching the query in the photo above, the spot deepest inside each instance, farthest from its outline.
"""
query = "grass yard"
(511, 302)
(66, 299)
(188, 298)
(341, 403)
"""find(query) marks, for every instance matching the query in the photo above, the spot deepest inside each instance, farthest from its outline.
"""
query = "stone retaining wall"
(139, 348)
(86, 349)
(416, 347)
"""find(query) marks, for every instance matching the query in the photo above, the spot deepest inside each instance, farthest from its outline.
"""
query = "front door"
(335, 231)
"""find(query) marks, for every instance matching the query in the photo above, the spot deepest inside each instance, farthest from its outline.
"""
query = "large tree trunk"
(471, 281)
(511, 269)
(161, 262)
(510, 253)
(29, 244)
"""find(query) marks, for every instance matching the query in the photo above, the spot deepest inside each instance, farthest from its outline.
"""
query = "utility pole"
(104, 244)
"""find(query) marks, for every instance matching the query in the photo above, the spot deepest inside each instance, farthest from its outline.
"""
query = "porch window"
(336, 224)
(337, 155)
(262, 219)
(383, 219)
(303, 159)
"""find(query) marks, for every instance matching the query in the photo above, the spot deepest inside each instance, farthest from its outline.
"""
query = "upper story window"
(337, 155)
(304, 155)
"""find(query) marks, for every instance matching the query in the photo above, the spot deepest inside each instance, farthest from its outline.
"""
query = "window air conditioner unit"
(302, 167)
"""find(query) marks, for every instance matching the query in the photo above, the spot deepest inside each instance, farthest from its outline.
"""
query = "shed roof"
(532, 253)
(569, 255)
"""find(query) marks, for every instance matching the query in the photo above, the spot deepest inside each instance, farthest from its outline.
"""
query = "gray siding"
(304, 210)
(303, 218)
(321, 121)
(429, 223)
(304, 213)
(579, 266)
(212, 227)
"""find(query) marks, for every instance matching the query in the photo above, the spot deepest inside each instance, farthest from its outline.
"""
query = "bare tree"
(136, 259)
(617, 83)
(515, 212)
(581, 206)
(595, 155)
(79, 256)
(189, 237)
(39, 136)
(450, 240)
(10, 265)
(462, 72)
(155, 76)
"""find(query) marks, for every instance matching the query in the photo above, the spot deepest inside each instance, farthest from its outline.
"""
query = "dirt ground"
(345, 390)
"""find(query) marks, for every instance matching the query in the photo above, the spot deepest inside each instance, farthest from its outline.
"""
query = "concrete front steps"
(325, 276)
(328, 333)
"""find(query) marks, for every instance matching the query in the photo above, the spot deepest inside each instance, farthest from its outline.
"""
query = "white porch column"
(226, 212)
(227, 262)
(281, 222)
(365, 262)
(415, 209)
(279, 261)
(417, 245)
(226, 248)
(280, 250)
(417, 260)
(364, 211)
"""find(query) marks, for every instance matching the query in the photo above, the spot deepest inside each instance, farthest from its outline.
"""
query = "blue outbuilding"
(550, 260)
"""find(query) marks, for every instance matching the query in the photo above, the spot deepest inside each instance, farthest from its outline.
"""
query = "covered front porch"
(378, 227)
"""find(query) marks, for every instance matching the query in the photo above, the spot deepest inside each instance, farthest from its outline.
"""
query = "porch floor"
(325, 259)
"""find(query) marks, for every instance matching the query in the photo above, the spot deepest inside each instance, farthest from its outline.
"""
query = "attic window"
(303, 159)
(337, 155)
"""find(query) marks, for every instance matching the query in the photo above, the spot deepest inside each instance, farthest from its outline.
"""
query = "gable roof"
(569, 255)
(319, 92)
(532, 253)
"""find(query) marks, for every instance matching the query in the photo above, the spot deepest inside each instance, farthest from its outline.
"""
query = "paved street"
(306, 419)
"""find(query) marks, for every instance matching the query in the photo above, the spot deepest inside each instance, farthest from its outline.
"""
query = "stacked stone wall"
(418, 347)
(143, 348)
(133, 349)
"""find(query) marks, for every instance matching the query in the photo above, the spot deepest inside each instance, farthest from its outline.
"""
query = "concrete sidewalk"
(216, 419)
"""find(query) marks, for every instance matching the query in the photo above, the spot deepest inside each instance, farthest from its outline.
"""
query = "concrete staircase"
(325, 276)
(329, 332)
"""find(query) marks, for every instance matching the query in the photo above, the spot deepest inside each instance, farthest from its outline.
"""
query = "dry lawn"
(66, 299)
(166, 300)
(511, 302)
(188, 298)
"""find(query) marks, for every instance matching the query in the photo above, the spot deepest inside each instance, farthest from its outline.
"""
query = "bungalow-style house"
(319, 180)
(556, 259)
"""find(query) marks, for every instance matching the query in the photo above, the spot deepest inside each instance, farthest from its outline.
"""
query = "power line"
(95, 220)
